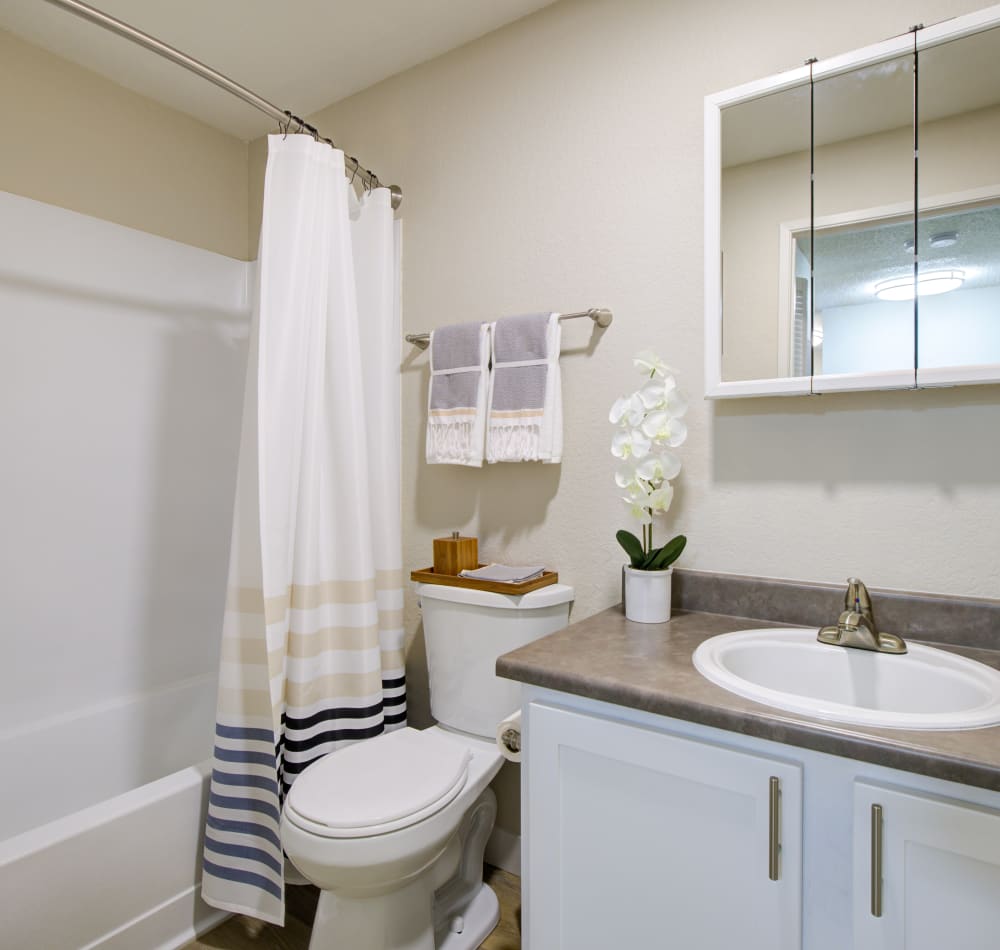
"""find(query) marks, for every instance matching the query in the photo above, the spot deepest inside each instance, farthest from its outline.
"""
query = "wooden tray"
(427, 576)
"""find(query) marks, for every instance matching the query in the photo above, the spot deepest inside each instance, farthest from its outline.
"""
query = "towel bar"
(601, 316)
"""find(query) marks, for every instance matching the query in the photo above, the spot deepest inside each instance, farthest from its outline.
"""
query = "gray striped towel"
(525, 416)
(456, 400)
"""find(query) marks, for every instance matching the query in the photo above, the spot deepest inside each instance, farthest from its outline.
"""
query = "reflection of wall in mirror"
(757, 197)
(958, 329)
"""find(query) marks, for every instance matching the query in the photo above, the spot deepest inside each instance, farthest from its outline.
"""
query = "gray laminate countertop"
(649, 667)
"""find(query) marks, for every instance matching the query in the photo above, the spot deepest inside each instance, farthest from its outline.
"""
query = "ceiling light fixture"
(928, 284)
(944, 239)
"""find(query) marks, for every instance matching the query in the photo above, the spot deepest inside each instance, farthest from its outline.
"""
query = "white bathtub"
(101, 817)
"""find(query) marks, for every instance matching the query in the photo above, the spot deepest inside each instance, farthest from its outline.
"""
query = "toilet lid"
(384, 784)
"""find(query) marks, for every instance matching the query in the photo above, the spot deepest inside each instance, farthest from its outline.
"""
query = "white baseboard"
(503, 851)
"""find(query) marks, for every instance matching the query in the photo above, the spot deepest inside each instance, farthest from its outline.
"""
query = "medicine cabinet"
(852, 219)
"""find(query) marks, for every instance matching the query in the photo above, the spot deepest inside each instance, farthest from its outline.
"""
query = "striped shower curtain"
(312, 639)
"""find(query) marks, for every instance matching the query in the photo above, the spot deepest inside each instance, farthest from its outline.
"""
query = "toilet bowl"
(392, 830)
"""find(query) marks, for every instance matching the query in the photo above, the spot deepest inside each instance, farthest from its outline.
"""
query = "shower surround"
(121, 380)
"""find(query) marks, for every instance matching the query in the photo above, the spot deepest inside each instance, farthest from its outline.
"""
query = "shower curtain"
(312, 639)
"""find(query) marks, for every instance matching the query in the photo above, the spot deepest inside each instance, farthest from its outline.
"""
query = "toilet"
(393, 830)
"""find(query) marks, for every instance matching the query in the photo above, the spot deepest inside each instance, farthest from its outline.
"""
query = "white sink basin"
(786, 667)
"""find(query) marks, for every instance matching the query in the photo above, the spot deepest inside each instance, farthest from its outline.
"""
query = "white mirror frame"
(715, 386)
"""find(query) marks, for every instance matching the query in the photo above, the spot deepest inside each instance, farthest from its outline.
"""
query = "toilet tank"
(465, 631)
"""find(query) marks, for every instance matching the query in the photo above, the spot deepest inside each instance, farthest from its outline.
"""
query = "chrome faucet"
(856, 625)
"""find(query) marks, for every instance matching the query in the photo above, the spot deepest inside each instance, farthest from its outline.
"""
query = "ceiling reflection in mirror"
(764, 182)
(958, 234)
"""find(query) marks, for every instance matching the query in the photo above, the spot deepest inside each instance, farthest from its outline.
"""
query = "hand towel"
(525, 416)
(456, 398)
(505, 574)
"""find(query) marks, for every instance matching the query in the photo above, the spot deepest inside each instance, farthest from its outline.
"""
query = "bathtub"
(101, 818)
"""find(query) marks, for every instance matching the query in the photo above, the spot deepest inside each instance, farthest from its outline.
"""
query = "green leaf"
(632, 546)
(665, 556)
(648, 559)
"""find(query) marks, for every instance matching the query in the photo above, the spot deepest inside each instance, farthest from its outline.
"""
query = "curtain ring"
(357, 165)
(287, 125)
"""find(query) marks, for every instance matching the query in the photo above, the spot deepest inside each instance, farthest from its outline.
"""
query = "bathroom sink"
(786, 667)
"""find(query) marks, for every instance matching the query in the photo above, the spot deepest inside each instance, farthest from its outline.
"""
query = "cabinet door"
(940, 872)
(637, 838)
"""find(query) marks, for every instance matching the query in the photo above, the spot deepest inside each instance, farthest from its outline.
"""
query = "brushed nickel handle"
(774, 828)
(876, 870)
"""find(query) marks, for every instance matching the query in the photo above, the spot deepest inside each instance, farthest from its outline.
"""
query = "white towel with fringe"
(525, 416)
(456, 398)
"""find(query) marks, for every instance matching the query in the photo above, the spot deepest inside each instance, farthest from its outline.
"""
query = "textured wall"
(558, 163)
(74, 139)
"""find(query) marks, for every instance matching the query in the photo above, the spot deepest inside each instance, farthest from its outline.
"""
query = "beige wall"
(74, 139)
(558, 163)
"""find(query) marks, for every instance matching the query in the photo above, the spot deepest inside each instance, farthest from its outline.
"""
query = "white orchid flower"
(639, 509)
(649, 364)
(676, 404)
(664, 430)
(627, 478)
(637, 493)
(628, 411)
(663, 394)
(619, 409)
(630, 443)
(648, 422)
(660, 499)
(653, 395)
(658, 468)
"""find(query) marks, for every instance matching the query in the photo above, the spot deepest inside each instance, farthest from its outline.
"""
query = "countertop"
(649, 667)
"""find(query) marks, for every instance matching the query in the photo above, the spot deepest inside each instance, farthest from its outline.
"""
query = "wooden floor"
(239, 933)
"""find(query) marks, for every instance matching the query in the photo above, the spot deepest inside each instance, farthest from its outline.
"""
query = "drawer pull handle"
(876, 870)
(774, 828)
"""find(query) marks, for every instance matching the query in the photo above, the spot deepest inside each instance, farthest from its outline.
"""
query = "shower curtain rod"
(286, 120)
(599, 315)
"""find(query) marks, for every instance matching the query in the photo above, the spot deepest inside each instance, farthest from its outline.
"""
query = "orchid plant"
(649, 425)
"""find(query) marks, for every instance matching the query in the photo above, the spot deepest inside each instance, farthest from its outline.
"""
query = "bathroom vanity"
(661, 810)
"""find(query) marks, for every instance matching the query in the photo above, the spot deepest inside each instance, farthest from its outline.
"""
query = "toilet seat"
(378, 786)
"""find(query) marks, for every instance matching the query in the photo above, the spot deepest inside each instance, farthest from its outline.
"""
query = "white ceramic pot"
(647, 595)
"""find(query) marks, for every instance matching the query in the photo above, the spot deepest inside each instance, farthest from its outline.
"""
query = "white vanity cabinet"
(643, 839)
(642, 831)
(933, 878)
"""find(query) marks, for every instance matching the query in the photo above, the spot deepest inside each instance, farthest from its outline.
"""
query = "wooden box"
(455, 554)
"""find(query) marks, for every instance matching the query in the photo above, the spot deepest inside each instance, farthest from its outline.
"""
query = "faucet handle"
(856, 625)
(857, 597)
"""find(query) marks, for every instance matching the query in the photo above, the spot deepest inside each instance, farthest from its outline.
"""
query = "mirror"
(958, 233)
(810, 284)
(764, 183)
(863, 120)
